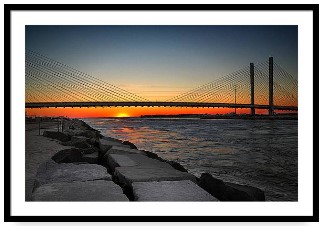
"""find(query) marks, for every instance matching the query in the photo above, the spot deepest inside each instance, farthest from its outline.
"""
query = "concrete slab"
(144, 160)
(184, 190)
(115, 160)
(98, 190)
(51, 172)
(129, 174)
(125, 149)
(106, 145)
(125, 159)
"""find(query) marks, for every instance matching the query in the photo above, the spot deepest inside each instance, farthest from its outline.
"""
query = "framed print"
(161, 113)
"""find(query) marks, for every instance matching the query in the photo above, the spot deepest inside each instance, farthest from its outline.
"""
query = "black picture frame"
(8, 8)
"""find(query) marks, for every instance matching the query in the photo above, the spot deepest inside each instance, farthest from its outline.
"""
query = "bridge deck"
(152, 104)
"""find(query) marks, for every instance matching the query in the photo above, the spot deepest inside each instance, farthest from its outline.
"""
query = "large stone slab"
(174, 164)
(106, 144)
(124, 150)
(184, 190)
(98, 190)
(51, 172)
(120, 150)
(116, 160)
(129, 174)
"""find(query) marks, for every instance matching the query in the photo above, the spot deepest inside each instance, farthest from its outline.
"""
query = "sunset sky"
(160, 62)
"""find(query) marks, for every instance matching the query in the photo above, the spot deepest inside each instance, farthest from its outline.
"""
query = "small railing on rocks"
(47, 123)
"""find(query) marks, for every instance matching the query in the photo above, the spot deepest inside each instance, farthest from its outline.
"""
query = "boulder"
(71, 127)
(106, 144)
(214, 186)
(93, 141)
(78, 124)
(84, 133)
(88, 150)
(112, 139)
(98, 190)
(152, 155)
(57, 135)
(75, 155)
(174, 164)
(77, 127)
(225, 191)
(79, 142)
(245, 192)
(69, 132)
(81, 124)
(88, 133)
(51, 172)
(82, 144)
(68, 156)
(170, 191)
(131, 145)
(92, 158)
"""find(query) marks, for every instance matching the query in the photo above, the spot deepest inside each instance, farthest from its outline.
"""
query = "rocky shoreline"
(98, 168)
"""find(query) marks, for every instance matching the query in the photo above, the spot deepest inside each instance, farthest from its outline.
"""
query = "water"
(259, 153)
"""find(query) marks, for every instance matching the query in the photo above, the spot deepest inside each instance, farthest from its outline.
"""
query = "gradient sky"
(159, 62)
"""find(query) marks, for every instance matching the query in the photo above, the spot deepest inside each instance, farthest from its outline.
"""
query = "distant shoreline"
(228, 116)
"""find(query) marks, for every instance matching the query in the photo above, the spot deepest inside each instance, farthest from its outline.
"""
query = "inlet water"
(260, 153)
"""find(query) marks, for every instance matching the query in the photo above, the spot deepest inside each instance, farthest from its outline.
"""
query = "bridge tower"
(271, 86)
(252, 89)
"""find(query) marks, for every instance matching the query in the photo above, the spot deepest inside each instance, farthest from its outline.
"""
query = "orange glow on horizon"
(122, 115)
(92, 112)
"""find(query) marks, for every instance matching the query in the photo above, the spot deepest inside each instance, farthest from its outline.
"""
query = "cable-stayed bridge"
(263, 85)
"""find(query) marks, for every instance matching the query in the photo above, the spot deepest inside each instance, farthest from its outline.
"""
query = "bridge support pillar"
(271, 86)
(252, 89)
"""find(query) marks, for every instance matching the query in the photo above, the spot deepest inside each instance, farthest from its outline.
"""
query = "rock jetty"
(97, 168)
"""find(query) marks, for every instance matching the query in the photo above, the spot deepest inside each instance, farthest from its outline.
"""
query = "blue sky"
(164, 59)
